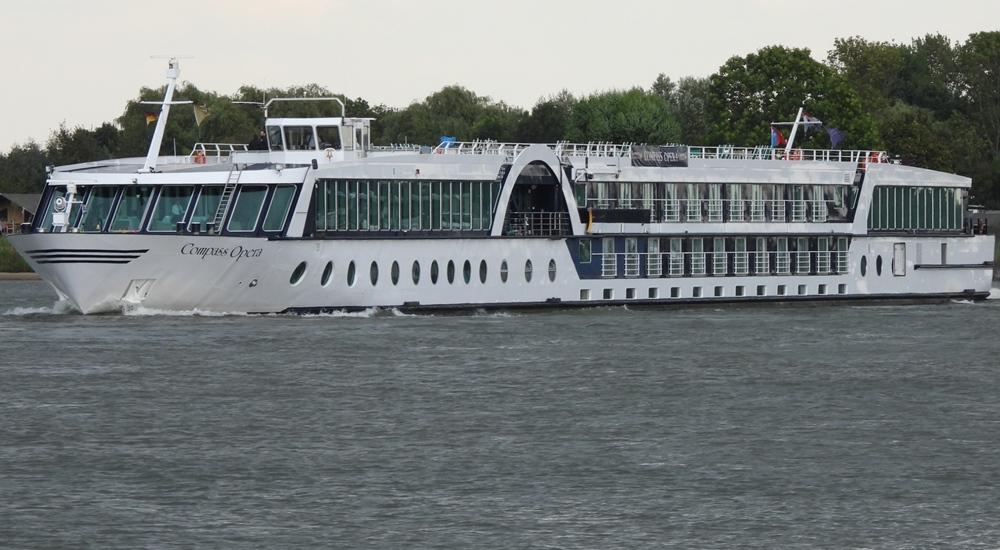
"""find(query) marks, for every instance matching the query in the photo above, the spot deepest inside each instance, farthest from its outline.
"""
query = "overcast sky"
(80, 61)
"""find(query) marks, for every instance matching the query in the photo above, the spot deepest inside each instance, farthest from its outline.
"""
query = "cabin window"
(482, 271)
(762, 256)
(434, 272)
(467, 271)
(98, 207)
(503, 271)
(451, 271)
(527, 271)
(671, 206)
(415, 272)
(131, 209)
(394, 273)
(585, 251)
(697, 256)
(281, 202)
(327, 273)
(347, 134)
(822, 255)
(51, 209)
(783, 257)
(328, 136)
(247, 209)
(676, 257)
(609, 261)
(171, 206)
(207, 205)
(720, 263)
(654, 262)
(299, 138)
(740, 264)
(274, 138)
(756, 203)
(802, 255)
(631, 257)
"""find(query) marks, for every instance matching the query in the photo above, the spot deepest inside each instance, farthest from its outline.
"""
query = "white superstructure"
(323, 220)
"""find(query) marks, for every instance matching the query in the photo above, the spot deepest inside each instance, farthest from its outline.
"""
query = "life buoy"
(200, 158)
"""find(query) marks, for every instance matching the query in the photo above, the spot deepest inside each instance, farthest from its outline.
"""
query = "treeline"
(933, 102)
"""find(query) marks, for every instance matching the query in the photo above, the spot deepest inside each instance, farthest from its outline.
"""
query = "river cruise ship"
(322, 220)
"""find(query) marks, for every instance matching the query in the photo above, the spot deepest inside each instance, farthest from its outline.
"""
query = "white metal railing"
(217, 149)
(720, 210)
(624, 151)
(538, 223)
(699, 264)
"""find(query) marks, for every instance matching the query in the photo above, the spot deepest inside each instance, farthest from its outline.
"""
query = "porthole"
(482, 271)
(527, 271)
(467, 271)
(434, 272)
(351, 273)
(373, 273)
(394, 273)
(451, 272)
(503, 271)
(864, 265)
(327, 273)
(297, 274)
(878, 265)
(552, 270)
(416, 272)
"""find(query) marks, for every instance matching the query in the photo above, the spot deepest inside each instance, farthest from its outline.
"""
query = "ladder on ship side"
(227, 197)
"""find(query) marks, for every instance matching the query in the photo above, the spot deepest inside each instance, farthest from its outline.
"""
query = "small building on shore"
(17, 208)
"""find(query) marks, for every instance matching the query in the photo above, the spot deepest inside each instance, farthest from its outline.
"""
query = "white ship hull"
(223, 274)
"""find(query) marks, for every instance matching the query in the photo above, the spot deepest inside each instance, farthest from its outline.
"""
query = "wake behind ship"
(322, 220)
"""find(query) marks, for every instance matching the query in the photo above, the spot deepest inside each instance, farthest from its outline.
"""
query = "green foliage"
(871, 68)
(635, 116)
(548, 120)
(913, 133)
(687, 101)
(22, 170)
(749, 93)
(10, 260)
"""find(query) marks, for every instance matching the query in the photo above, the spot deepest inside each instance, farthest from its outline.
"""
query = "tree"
(910, 131)
(548, 120)
(749, 93)
(688, 103)
(632, 116)
(872, 69)
(22, 170)
(929, 76)
(979, 66)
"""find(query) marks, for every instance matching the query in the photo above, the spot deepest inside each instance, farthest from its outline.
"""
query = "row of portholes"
(373, 272)
(878, 265)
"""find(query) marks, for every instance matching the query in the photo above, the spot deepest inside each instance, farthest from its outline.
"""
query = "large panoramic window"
(131, 209)
(393, 205)
(98, 208)
(170, 207)
(206, 207)
(281, 202)
(247, 209)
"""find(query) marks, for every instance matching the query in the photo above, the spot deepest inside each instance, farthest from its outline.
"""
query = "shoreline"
(26, 276)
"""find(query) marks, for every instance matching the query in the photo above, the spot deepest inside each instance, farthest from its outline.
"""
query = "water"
(769, 427)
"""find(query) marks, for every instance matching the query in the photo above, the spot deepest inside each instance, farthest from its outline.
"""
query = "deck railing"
(624, 150)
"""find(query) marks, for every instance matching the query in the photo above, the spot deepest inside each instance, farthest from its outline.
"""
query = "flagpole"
(795, 128)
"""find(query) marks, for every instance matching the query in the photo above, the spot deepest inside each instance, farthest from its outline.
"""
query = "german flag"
(151, 117)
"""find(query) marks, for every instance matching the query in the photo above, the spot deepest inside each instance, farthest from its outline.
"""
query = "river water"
(759, 427)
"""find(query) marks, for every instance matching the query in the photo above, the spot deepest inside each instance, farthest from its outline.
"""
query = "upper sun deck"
(628, 150)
